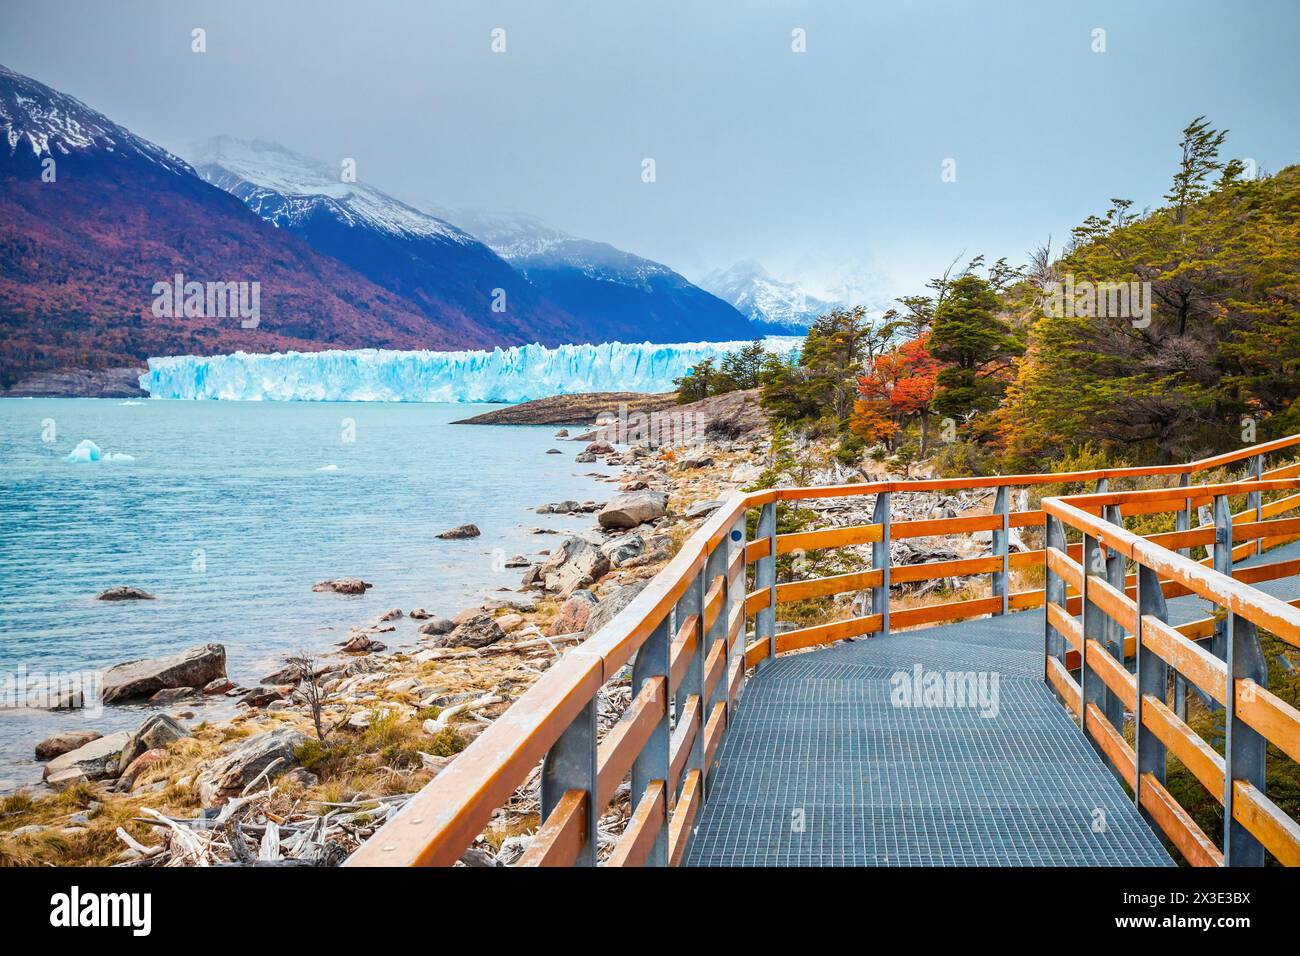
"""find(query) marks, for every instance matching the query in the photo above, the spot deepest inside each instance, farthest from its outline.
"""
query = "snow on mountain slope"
(448, 274)
(49, 123)
(368, 375)
(764, 299)
(283, 187)
(626, 296)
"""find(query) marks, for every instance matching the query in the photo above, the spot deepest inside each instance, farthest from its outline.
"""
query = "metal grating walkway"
(822, 768)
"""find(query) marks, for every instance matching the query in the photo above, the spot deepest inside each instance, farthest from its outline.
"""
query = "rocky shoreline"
(573, 409)
(390, 718)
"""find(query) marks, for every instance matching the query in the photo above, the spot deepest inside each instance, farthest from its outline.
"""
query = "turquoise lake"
(230, 511)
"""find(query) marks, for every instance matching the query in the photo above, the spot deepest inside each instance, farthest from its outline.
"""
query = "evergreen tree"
(975, 345)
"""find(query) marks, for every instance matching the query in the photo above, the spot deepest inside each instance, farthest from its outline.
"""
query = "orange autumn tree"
(899, 385)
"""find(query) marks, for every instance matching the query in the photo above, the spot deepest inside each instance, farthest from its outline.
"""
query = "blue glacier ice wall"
(514, 374)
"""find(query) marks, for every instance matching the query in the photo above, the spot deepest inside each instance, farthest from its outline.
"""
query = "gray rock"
(480, 630)
(622, 550)
(343, 586)
(194, 667)
(229, 775)
(633, 508)
(702, 508)
(124, 594)
(96, 760)
(574, 564)
(261, 696)
(461, 532)
(438, 625)
(155, 733)
(609, 607)
(170, 695)
(63, 743)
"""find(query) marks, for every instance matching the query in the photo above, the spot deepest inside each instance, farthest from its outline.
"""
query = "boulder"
(479, 631)
(702, 508)
(390, 615)
(697, 461)
(362, 643)
(124, 594)
(633, 508)
(622, 550)
(573, 614)
(219, 686)
(554, 451)
(131, 771)
(518, 561)
(155, 733)
(63, 743)
(229, 775)
(194, 667)
(585, 458)
(437, 625)
(463, 531)
(574, 564)
(418, 614)
(343, 586)
(510, 622)
(260, 696)
(608, 608)
(600, 447)
(172, 695)
(96, 760)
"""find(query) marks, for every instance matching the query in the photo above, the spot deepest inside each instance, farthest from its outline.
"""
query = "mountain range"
(93, 217)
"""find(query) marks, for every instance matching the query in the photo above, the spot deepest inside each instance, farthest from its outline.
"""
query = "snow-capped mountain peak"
(52, 124)
(764, 299)
(284, 186)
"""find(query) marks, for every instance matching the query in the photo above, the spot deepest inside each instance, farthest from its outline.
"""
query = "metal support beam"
(1223, 564)
(1153, 679)
(1254, 500)
(1114, 631)
(1001, 545)
(765, 577)
(1245, 749)
(1055, 592)
(735, 596)
(880, 559)
(691, 603)
(716, 563)
(652, 660)
(1183, 521)
(570, 764)
(1092, 689)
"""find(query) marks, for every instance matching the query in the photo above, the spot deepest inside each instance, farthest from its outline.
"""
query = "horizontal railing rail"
(685, 636)
(1117, 625)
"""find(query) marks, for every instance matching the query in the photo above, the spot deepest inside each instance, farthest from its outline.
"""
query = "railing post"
(1092, 689)
(880, 560)
(692, 603)
(1055, 591)
(1183, 522)
(1245, 750)
(1114, 631)
(1153, 679)
(765, 577)
(652, 661)
(1254, 500)
(1222, 554)
(570, 764)
(1002, 546)
(735, 595)
(715, 564)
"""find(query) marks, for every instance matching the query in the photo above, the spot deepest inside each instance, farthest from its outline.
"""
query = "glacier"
(515, 374)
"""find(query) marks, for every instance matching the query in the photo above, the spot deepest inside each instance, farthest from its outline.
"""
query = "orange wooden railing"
(1124, 617)
(685, 635)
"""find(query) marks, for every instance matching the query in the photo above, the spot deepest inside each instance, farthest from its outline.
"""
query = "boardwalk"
(821, 769)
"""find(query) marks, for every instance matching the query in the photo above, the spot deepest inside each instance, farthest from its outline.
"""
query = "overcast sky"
(824, 164)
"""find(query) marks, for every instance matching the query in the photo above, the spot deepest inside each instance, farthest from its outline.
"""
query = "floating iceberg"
(85, 451)
(514, 374)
